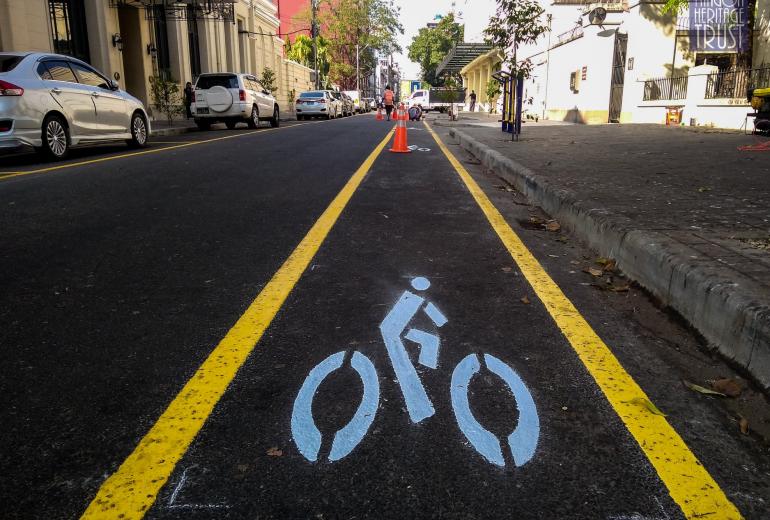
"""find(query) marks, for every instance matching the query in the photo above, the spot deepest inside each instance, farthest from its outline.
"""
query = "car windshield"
(312, 95)
(226, 81)
(9, 61)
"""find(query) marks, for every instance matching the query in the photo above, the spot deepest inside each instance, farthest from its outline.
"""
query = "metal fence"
(665, 88)
(734, 84)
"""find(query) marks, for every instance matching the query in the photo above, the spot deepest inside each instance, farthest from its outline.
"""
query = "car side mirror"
(114, 86)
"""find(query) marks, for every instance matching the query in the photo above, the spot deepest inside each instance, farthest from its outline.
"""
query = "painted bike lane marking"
(396, 325)
(133, 488)
(688, 482)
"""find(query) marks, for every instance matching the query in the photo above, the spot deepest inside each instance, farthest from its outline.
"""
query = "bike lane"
(413, 226)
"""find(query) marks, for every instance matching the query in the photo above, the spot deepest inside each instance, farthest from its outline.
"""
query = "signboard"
(718, 25)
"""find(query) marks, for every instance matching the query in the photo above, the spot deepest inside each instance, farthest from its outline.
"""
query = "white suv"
(232, 98)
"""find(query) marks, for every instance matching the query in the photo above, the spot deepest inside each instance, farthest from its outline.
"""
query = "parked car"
(52, 103)
(347, 103)
(232, 98)
(317, 103)
(370, 104)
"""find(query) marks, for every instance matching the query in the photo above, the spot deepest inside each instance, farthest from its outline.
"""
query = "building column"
(24, 25)
(102, 25)
(179, 49)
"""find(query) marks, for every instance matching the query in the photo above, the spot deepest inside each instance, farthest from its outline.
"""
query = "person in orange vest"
(388, 98)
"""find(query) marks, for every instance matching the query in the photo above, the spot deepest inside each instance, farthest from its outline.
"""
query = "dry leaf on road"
(729, 387)
(701, 389)
(525, 300)
(552, 226)
(641, 401)
(744, 424)
(274, 452)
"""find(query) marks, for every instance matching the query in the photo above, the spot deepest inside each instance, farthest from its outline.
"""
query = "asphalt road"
(162, 311)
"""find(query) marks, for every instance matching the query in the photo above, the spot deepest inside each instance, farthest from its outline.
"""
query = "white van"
(355, 95)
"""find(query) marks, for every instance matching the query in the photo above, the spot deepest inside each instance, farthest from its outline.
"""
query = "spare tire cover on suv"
(219, 99)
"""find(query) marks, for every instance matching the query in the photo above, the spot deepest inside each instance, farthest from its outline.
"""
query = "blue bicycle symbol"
(522, 441)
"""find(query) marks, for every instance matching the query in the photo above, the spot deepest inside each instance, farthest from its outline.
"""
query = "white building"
(629, 62)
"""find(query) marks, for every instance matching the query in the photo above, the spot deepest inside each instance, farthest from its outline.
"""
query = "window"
(223, 80)
(60, 71)
(88, 76)
(42, 71)
(161, 40)
(68, 25)
(8, 62)
(314, 94)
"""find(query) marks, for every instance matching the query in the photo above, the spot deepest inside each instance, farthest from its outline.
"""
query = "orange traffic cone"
(379, 113)
(400, 142)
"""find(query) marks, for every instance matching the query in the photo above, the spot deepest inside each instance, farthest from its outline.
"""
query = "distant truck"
(439, 99)
(355, 95)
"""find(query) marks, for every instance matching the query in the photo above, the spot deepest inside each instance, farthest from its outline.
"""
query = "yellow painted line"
(130, 491)
(11, 174)
(688, 482)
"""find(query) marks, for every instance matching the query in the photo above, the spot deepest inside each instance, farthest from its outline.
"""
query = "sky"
(416, 13)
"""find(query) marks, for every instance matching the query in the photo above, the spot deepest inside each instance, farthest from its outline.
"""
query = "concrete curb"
(722, 304)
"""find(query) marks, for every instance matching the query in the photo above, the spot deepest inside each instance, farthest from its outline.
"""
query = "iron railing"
(734, 84)
(665, 88)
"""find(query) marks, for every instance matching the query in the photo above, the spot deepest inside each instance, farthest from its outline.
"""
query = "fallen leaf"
(562, 239)
(641, 401)
(744, 424)
(603, 261)
(552, 226)
(620, 288)
(525, 301)
(536, 220)
(274, 452)
(506, 269)
(729, 387)
(594, 271)
(704, 189)
(701, 389)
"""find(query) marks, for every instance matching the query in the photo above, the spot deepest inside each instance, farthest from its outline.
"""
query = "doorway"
(618, 77)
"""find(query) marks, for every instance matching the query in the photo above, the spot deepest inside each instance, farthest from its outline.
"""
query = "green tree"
(493, 92)
(268, 80)
(371, 26)
(301, 51)
(516, 23)
(166, 97)
(431, 46)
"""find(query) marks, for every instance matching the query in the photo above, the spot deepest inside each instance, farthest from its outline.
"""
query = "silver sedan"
(52, 102)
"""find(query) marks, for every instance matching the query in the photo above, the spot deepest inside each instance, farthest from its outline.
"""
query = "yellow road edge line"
(9, 175)
(688, 482)
(133, 488)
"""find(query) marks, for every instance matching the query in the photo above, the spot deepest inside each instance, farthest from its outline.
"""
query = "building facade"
(632, 62)
(133, 40)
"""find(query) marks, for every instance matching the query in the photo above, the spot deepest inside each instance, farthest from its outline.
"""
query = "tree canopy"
(372, 25)
(516, 23)
(431, 46)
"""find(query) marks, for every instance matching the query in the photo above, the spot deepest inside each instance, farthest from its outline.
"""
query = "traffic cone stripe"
(400, 141)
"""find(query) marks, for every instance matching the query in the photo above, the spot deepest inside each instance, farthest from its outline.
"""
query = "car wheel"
(203, 125)
(138, 131)
(230, 125)
(275, 121)
(254, 119)
(56, 137)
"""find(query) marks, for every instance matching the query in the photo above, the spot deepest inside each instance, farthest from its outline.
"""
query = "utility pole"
(358, 68)
(314, 31)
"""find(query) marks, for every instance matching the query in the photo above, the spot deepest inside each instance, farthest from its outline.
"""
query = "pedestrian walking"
(473, 100)
(388, 98)
(188, 99)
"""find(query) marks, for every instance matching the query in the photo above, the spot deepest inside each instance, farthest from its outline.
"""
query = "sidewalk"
(683, 212)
